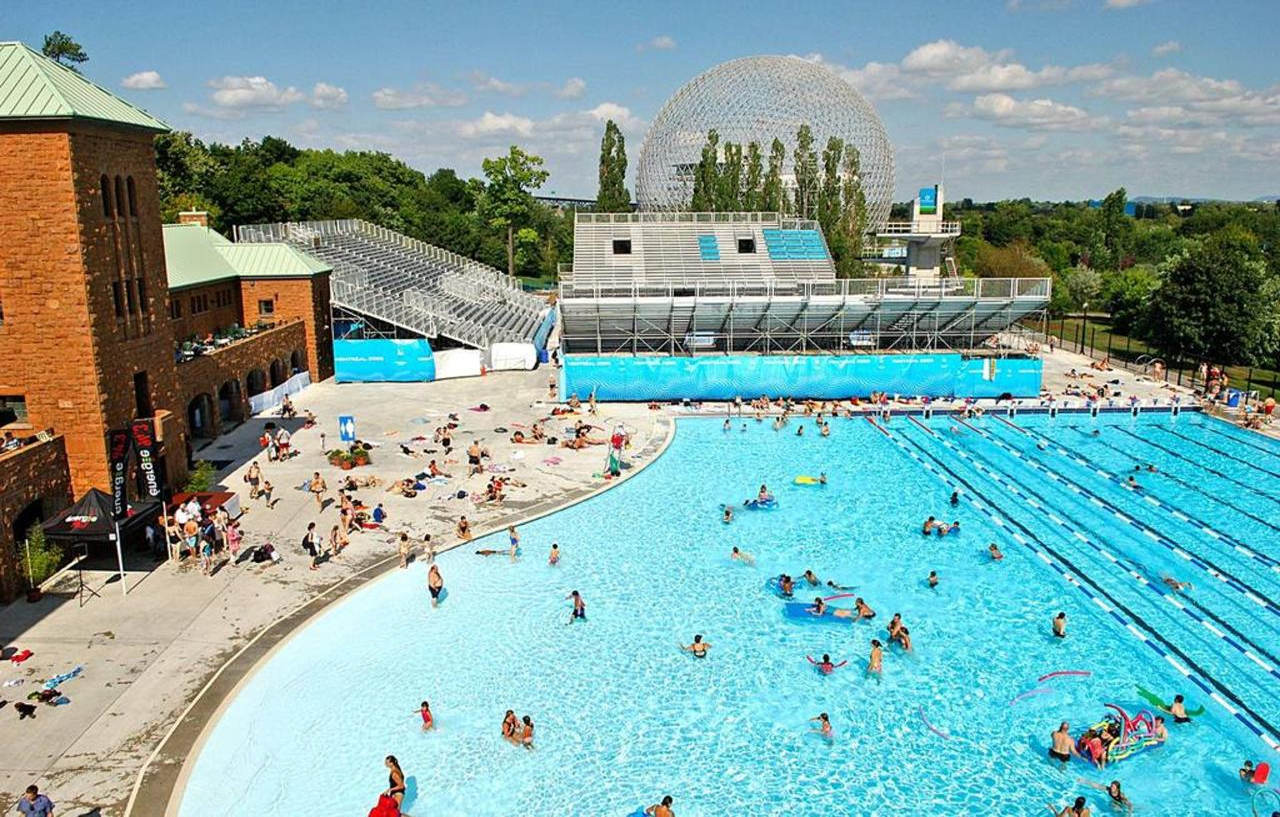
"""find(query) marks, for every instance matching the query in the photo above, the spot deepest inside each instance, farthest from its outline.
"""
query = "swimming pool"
(623, 716)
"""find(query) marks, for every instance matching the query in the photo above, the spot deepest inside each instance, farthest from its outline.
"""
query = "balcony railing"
(189, 350)
(871, 289)
(920, 228)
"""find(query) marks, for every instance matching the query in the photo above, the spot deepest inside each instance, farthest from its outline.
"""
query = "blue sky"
(1049, 99)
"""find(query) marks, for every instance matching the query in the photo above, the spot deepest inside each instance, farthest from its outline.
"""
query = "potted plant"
(345, 462)
(360, 456)
(335, 456)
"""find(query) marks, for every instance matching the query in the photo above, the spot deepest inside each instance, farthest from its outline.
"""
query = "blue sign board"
(347, 428)
(928, 200)
(379, 361)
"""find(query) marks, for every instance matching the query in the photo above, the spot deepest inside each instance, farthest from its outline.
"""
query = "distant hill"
(1192, 199)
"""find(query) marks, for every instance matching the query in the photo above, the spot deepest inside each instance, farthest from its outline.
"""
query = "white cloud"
(144, 81)
(328, 97)
(491, 123)
(422, 95)
(1124, 4)
(486, 83)
(663, 42)
(573, 88)
(620, 114)
(1166, 48)
(942, 57)
(1015, 76)
(1034, 114)
(875, 80)
(1169, 84)
(257, 93)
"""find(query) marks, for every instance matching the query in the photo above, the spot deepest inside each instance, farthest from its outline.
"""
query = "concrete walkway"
(146, 657)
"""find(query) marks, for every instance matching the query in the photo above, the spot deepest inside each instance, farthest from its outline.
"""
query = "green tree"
(805, 167)
(1126, 294)
(1116, 228)
(751, 193)
(613, 196)
(853, 213)
(729, 184)
(63, 50)
(1217, 302)
(772, 197)
(706, 176)
(508, 195)
(828, 204)
(1018, 260)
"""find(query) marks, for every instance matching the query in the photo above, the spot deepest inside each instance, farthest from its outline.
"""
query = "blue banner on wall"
(817, 376)
(381, 361)
(928, 201)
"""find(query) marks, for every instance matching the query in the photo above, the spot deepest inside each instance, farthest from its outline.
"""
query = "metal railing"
(919, 228)
(656, 217)
(874, 289)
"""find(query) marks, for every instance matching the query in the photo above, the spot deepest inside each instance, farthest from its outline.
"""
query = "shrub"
(44, 558)
(201, 477)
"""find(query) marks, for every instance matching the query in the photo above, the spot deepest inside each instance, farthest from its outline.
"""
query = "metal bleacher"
(411, 284)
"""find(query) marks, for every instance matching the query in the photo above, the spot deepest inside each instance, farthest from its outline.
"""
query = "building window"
(622, 246)
(133, 198)
(117, 297)
(142, 395)
(130, 296)
(746, 245)
(106, 196)
(13, 409)
(267, 307)
(142, 294)
(175, 308)
(120, 205)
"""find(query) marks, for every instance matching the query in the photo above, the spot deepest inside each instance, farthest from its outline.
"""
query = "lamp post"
(1084, 325)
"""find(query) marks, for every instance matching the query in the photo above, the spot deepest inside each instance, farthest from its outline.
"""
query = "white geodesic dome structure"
(759, 99)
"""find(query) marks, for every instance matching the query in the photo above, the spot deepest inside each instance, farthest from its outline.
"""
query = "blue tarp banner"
(379, 361)
(818, 376)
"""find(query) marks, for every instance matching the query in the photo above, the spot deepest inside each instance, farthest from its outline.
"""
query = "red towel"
(20, 657)
(387, 807)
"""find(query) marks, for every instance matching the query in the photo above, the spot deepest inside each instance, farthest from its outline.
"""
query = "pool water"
(623, 716)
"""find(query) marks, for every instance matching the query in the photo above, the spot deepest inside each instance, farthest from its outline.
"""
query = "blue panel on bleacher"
(708, 248)
(794, 245)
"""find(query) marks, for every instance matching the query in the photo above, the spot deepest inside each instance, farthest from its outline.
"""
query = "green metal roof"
(196, 255)
(32, 86)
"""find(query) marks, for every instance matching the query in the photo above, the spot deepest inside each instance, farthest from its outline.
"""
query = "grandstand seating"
(794, 245)
(411, 284)
(707, 248)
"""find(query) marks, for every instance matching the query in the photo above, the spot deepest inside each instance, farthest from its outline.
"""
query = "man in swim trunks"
(698, 647)
(811, 578)
(929, 525)
(662, 809)
(1062, 745)
(996, 555)
(1077, 809)
(864, 611)
(1178, 710)
(933, 578)
(554, 557)
(1060, 625)
(786, 585)
(1161, 732)
(435, 584)
(579, 607)
(473, 459)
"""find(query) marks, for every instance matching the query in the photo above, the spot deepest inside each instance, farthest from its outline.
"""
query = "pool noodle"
(1084, 672)
(933, 728)
(839, 596)
(1029, 693)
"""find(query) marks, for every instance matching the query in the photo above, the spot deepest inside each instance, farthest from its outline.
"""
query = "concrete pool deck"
(159, 664)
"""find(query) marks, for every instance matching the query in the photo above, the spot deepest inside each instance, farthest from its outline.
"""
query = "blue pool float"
(799, 611)
(761, 504)
(775, 587)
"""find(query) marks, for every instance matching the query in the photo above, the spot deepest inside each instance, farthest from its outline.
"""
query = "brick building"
(89, 330)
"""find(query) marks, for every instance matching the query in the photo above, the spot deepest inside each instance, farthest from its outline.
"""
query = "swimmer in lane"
(742, 556)
(1174, 584)
(698, 647)
(825, 666)
(1060, 625)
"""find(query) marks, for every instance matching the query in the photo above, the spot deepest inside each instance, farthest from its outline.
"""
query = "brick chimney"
(194, 217)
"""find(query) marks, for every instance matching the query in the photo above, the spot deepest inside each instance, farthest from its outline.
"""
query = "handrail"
(917, 288)
(919, 228)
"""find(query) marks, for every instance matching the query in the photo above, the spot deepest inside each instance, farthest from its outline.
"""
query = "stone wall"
(35, 473)
(193, 323)
(305, 298)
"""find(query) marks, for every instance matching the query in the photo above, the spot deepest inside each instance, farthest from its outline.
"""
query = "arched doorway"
(200, 417)
(256, 382)
(297, 362)
(27, 518)
(230, 402)
(278, 373)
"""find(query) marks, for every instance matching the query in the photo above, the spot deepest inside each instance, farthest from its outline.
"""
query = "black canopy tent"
(88, 522)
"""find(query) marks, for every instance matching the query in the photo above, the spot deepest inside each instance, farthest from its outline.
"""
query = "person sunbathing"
(519, 439)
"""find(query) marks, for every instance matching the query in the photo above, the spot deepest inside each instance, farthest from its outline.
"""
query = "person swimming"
(1178, 709)
(955, 498)
(903, 638)
(1114, 793)
(728, 515)
(875, 664)
(933, 578)
(698, 647)
(996, 555)
(742, 556)
(1060, 625)
(929, 525)
(811, 578)
(819, 609)
(864, 611)
(554, 557)
(786, 585)
(764, 495)
(824, 725)
(579, 607)
(510, 728)
(428, 721)
(825, 666)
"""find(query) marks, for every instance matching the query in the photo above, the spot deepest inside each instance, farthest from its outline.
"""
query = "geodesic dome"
(759, 99)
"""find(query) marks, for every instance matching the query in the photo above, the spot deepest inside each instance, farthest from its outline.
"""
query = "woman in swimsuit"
(698, 647)
(510, 726)
(996, 555)
(824, 725)
(526, 734)
(428, 722)
(875, 662)
(554, 558)
(1119, 801)
(463, 529)
(395, 780)
(819, 609)
(579, 607)
(764, 495)
(825, 666)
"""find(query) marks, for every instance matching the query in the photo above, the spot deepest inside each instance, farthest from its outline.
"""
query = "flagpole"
(124, 589)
